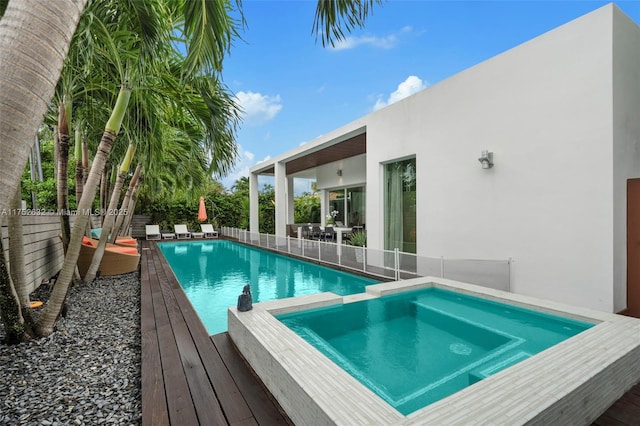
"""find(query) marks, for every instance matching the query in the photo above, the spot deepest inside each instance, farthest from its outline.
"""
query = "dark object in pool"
(245, 303)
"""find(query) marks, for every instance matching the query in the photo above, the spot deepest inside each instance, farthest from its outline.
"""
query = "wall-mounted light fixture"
(486, 159)
(339, 172)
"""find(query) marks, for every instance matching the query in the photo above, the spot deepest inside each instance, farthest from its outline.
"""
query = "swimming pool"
(418, 347)
(213, 273)
(572, 382)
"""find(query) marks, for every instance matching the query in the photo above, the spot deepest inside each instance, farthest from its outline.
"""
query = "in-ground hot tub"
(570, 382)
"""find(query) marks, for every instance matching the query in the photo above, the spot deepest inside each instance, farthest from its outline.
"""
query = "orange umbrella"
(202, 211)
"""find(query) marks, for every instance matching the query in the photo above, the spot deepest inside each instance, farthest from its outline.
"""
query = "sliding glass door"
(350, 205)
(400, 206)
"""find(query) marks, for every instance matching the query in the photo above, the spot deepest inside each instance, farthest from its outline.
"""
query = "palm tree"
(32, 56)
(142, 123)
(34, 40)
(62, 137)
(52, 311)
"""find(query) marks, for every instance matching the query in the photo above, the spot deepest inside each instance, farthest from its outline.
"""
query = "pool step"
(496, 365)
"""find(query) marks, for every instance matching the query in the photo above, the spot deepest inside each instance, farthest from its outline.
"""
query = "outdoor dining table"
(340, 233)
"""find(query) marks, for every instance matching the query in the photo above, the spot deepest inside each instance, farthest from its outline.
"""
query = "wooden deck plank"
(154, 402)
(624, 412)
(261, 403)
(202, 394)
(228, 394)
(178, 395)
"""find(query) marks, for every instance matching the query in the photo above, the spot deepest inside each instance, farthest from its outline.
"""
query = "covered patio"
(339, 168)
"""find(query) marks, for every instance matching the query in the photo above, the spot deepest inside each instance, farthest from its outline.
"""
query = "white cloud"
(351, 42)
(387, 42)
(408, 87)
(258, 108)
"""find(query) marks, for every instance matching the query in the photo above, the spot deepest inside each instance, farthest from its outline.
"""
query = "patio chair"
(168, 236)
(208, 230)
(182, 233)
(153, 232)
(316, 232)
(329, 233)
(305, 231)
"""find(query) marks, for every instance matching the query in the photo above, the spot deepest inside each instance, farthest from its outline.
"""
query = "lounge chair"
(116, 260)
(126, 242)
(182, 233)
(153, 232)
(208, 230)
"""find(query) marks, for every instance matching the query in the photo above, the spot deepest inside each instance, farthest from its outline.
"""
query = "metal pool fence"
(391, 264)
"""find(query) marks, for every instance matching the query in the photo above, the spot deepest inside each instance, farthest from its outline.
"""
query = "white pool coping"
(572, 382)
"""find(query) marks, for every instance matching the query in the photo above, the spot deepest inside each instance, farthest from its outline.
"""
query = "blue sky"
(293, 90)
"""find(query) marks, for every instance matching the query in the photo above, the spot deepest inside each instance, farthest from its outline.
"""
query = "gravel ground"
(88, 371)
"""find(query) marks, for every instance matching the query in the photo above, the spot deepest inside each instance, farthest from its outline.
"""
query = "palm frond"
(209, 28)
(335, 17)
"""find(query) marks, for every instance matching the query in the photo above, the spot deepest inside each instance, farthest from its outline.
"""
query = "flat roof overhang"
(350, 147)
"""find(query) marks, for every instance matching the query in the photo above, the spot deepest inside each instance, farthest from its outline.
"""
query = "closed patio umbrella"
(202, 212)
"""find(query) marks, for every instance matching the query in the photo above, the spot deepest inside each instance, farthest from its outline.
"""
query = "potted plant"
(331, 217)
(359, 239)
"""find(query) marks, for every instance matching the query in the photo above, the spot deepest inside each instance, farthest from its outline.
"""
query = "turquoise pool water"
(213, 273)
(415, 348)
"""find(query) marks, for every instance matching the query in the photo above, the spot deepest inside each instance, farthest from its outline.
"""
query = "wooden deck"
(624, 412)
(188, 377)
(191, 378)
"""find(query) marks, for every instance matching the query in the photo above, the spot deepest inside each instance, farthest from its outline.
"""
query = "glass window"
(336, 203)
(350, 205)
(400, 206)
(356, 206)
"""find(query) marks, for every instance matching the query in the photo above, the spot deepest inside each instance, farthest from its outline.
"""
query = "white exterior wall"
(354, 173)
(626, 137)
(544, 109)
(282, 199)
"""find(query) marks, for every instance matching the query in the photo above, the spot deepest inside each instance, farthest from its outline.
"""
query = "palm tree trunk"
(62, 173)
(104, 187)
(131, 207)
(10, 312)
(34, 41)
(124, 211)
(79, 169)
(16, 259)
(111, 215)
(52, 311)
(107, 226)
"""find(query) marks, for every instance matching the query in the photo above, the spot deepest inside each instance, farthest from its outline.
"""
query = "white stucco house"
(560, 116)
